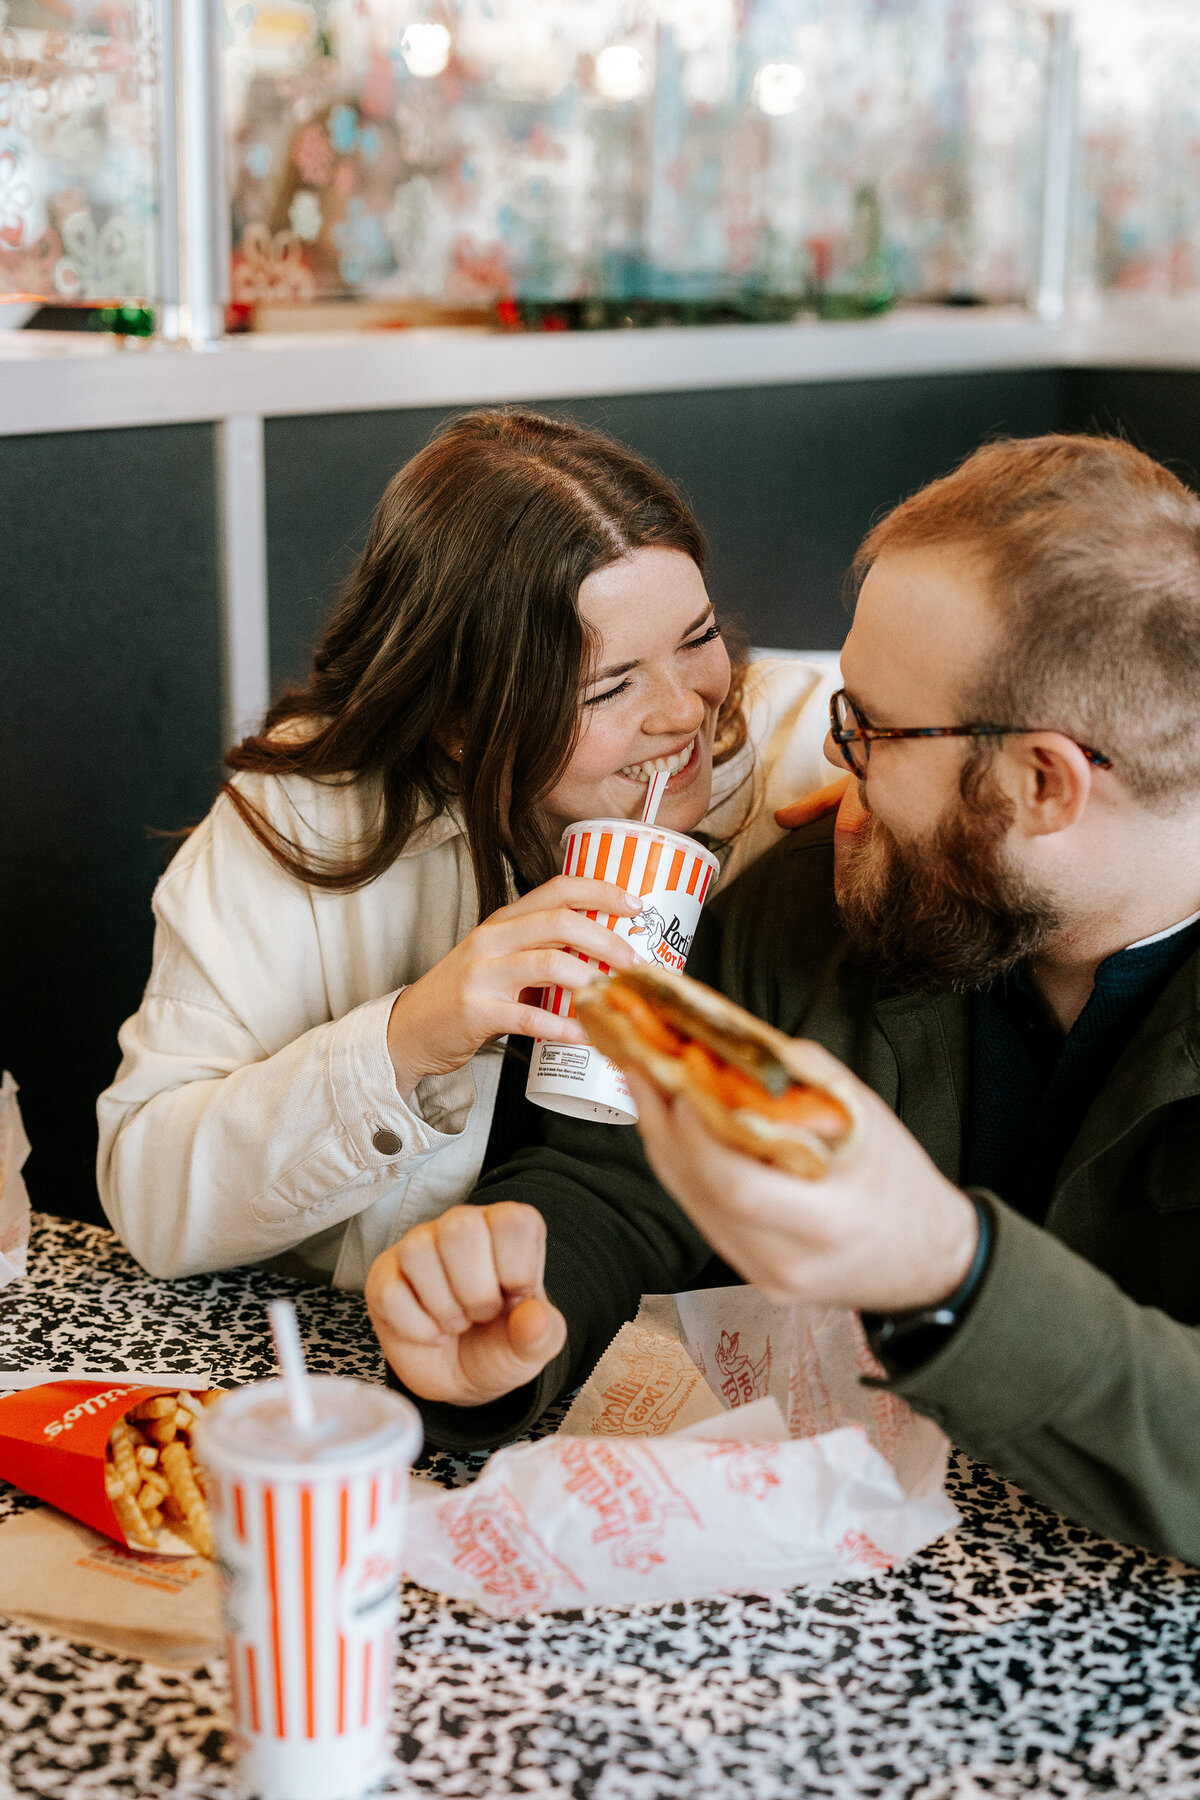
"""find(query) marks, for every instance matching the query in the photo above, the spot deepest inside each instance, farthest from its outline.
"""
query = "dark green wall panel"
(325, 475)
(785, 480)
(1156, 409)
(109, 728)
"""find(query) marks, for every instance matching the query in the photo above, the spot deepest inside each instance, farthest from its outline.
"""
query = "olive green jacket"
(1077, 1371)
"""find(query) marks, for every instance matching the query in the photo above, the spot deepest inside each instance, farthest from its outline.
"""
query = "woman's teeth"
(662, 765)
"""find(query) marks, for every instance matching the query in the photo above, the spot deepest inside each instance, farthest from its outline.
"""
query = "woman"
(373, 900)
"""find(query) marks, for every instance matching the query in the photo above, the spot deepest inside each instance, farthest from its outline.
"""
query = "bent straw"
(290, 1354)
(658, 787)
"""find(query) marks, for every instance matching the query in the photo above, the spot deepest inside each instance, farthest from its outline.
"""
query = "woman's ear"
(450, 739)
(1054, 782)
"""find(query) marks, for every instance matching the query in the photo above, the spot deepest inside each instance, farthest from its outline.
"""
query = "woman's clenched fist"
(459, 1304)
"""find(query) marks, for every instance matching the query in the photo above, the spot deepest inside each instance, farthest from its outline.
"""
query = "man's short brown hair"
(1091, 551)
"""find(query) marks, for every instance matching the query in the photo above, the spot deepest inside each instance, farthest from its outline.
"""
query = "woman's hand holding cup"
(490, 984)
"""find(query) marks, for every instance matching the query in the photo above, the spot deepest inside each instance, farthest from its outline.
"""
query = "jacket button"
(387, 1143)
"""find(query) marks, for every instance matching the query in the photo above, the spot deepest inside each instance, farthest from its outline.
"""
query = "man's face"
(928, 887)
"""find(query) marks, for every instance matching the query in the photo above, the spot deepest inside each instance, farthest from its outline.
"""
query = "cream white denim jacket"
(255, 1111)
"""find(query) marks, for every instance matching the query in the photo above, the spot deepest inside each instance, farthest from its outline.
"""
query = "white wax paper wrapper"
(14, 1201)
(785, 1471)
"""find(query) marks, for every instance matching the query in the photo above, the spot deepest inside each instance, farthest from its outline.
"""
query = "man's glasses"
(848, 733)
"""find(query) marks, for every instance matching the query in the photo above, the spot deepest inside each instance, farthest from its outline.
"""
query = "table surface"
(1017, 1656)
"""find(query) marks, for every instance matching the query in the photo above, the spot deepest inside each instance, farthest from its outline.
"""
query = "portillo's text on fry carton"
(54, 1441)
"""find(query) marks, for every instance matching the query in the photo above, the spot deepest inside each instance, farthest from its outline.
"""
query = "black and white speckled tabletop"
(1018, 1656)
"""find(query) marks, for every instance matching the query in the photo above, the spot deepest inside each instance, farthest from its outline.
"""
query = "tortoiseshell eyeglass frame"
(843, 735)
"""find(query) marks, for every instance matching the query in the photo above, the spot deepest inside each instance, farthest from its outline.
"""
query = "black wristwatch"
(903, 1341)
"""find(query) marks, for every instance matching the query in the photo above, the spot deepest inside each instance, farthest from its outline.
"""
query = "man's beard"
(947, 912)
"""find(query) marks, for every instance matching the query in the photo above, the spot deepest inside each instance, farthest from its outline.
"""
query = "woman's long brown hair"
(460, 630)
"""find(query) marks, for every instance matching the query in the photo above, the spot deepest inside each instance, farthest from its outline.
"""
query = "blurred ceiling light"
(707, 78)
(425, 48)
(778, 87)
(621, 72)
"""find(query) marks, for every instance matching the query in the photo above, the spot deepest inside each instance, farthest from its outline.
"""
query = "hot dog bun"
(690, 1040)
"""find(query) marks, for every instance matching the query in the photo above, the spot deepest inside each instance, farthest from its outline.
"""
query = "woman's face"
(660, 674)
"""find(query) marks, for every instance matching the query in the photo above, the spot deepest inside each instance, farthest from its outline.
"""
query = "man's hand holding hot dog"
(461, 1310)
(459, 1304)
(881, 1231)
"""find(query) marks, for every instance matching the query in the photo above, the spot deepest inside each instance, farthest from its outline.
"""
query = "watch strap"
(903, 1341)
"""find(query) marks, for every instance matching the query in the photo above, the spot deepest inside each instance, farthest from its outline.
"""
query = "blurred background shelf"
(69, 382)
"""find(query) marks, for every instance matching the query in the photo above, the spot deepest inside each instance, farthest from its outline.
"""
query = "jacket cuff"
(1033, 1337)
(386, 1133)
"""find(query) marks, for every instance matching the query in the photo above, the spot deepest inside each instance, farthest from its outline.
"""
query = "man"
(1008, 957)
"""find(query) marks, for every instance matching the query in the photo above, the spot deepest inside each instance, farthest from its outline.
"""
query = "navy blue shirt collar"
(1030, 1086)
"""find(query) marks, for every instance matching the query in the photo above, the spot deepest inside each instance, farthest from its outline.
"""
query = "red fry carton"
(53, 1441)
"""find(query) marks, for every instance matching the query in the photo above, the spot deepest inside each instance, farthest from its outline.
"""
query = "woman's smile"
(680, 765)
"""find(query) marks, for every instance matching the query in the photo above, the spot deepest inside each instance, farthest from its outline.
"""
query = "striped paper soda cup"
(673, 874)
(309, 1528)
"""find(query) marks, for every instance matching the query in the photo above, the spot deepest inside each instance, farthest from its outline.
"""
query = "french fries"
(151, 1474)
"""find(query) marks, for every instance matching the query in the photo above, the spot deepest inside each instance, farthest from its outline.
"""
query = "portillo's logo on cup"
(673, 874)
(665, 943)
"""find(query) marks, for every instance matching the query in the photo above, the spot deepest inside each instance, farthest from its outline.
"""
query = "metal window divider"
(193, 284)
(194, 243)
(245, 601)
(1058, 160)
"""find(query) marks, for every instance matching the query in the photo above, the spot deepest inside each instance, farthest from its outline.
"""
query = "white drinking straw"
(290, 1354)
(658, 787)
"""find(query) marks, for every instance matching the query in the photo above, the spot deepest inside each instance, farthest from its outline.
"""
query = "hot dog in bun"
(757, 1090)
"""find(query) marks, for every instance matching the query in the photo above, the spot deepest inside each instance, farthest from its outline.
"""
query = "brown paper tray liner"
(62, 1577)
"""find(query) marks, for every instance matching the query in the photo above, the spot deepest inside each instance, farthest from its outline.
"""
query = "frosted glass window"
(682, 150)
(1138, 180)
(484, 157)
(78, 152)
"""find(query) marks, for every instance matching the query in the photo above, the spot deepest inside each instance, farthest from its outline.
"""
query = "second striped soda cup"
(309, 1526)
